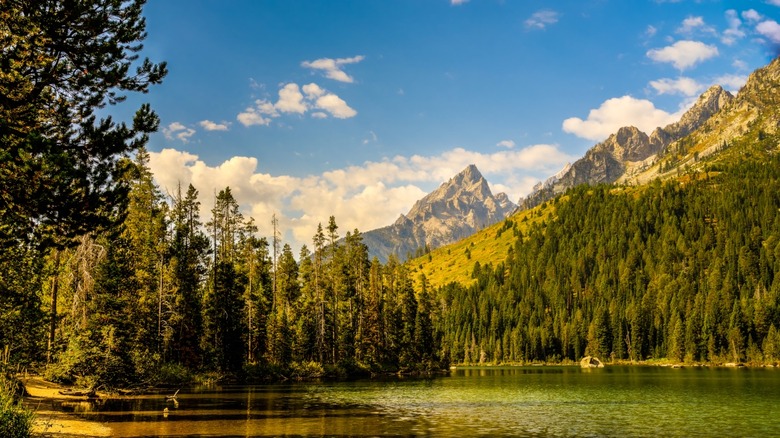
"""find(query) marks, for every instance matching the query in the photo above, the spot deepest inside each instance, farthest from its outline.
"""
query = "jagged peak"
(627, 133)
(469, 175)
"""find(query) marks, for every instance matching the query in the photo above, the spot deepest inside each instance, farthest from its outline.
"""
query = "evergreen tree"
(187, 252)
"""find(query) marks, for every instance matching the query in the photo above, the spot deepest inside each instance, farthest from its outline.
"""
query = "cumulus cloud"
(616, 113)
(509, 144)
(542, 19)
(366, 197)
(695, 24)
(332, 68)
(769, 29)
(290, 100)
(751, 15)
(682, 85)
(178, 131)
(683, 54)
(208, 125)
(294, 99)
(255, 116)
(335, 106)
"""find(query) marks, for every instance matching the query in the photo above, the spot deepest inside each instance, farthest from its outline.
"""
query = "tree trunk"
(53, 315)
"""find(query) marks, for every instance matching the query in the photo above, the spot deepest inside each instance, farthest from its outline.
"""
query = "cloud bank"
(365, 197)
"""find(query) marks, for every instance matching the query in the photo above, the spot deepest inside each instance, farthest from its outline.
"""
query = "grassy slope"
(488, 246)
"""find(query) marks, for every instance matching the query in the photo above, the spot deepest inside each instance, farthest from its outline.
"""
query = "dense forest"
(685, 270)
(163, 293)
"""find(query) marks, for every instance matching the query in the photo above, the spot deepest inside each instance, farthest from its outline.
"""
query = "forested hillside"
(684, 270)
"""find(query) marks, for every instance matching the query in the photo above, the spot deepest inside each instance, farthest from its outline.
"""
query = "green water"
(529, 401)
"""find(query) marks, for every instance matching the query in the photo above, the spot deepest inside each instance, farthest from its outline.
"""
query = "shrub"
(15, 419)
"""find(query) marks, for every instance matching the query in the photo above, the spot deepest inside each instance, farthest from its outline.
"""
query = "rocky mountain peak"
(609, 160)
(457, 209)
(629, 143)
(709, 103)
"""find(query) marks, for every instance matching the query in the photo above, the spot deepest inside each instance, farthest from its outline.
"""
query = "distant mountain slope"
(457, 209)
(745, 129)
(627, 151)
(750, 117)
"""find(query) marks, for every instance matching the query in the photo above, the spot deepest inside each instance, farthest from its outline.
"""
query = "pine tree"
(187, 252)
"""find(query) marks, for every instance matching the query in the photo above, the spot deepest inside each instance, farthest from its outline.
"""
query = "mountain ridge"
(627, 150)
(456, 209)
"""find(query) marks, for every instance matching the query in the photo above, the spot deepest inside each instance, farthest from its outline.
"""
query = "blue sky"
(356, 109)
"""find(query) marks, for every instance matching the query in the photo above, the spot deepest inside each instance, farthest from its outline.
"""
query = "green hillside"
(455, 262)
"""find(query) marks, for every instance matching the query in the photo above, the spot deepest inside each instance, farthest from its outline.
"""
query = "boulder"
(591, 362)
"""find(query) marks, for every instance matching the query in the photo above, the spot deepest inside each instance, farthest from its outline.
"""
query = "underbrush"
(15, 420)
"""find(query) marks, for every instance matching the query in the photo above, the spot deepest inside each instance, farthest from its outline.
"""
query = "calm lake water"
(528, 401)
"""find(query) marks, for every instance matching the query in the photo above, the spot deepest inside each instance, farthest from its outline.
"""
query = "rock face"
(627, 149)
(751, 114)
(457, 209)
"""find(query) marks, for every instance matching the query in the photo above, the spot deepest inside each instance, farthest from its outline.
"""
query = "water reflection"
(530, 401)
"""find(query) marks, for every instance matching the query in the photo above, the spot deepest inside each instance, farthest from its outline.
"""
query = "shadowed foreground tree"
(61, 166)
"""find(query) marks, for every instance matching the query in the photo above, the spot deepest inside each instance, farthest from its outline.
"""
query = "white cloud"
(769, 29)
(178, 131)
(615, 113)
(542, 19)
(332, 67)
(335, 106)
(290, 100)
(293, 101)
(751, 15)
(695, 24)
(458, 2)
(683, 54)
(313, 91)
(773, 2)
(509, 144)
(208, 125)
(682, 85)
(366, 197)
(254, 116)
(734, 32)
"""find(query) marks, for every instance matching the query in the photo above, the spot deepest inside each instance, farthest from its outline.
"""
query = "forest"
(161, 295)
(684, 270)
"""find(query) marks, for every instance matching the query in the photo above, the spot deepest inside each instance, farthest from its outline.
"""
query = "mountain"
(722, 131)
(457, 209)
(751, 117)
(627, 151)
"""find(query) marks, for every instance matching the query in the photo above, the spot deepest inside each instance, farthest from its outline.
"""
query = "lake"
(498, 401)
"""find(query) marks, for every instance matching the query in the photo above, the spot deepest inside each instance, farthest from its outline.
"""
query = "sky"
(358, 108)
